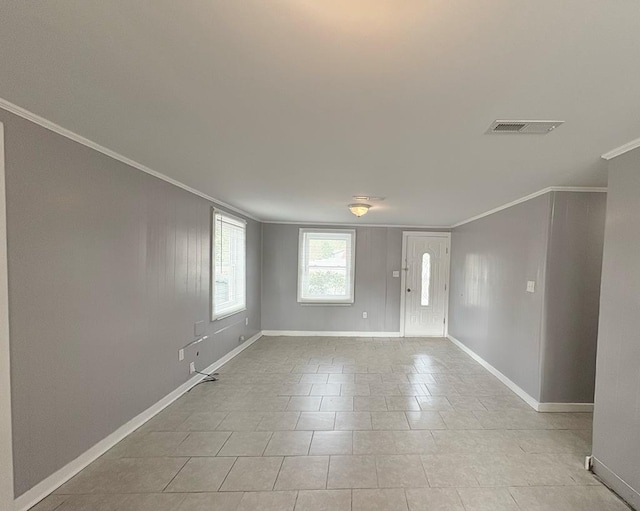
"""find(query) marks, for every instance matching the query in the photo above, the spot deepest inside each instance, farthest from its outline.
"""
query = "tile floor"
(309, 424)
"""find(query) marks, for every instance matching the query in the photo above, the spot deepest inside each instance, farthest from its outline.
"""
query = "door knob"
(408, 290)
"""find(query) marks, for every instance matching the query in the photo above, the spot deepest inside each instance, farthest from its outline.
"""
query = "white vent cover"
(523, 127)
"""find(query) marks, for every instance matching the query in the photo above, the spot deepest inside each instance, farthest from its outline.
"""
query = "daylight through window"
(326, 266)
(228, 265)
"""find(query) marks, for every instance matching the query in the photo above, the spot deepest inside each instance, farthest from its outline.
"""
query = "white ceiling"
(287, 108)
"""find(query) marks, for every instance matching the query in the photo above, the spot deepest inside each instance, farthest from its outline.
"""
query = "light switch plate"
(396, 274)
(531, 286)
(180, 355)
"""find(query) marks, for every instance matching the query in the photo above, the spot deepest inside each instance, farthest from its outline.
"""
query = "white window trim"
(352, 277)
(212, 280)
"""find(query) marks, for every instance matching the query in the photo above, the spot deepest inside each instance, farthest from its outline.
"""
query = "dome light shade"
(359, 209)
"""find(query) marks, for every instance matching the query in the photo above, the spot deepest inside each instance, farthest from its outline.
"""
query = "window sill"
(228, 314)
(325, 304)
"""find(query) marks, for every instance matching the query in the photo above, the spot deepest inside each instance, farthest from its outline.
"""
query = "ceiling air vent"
(525, 127)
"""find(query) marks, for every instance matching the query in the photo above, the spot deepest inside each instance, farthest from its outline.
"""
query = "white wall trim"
(44, 488)
(348, 224)
(565, 407)
(6, 440)
(521, 393)
(311, 333)
(616, 483)
(625, 148)
(532, 196)
(45, 123)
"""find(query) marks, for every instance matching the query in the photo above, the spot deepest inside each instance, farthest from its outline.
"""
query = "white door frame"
(6, 447)
(403, 274)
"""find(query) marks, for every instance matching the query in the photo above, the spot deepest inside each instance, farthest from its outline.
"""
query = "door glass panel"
(425, 298)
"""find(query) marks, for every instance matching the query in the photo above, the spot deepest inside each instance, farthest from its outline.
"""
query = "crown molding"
(51, 126)
(532, 196)
(629, 146)
(338, 224)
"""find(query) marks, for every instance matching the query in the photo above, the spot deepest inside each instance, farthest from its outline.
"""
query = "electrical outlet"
(531, 286)
(246, 321)
(242, 338)
(192, 367)
(395, 274)
(365, 315)
(181, 355)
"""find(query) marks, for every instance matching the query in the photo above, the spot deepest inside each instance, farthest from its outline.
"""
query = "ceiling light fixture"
(359, 209)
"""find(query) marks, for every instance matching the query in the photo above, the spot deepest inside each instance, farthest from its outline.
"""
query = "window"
(426, 279)
(228, 266)
(326, 264)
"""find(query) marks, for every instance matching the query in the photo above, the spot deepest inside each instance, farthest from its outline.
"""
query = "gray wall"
(574, 264)
(616, 428)
(108, 271)
(544, 341)
(377, 292)
(489, 309)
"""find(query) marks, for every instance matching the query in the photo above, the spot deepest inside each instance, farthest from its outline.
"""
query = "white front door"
(425, 283)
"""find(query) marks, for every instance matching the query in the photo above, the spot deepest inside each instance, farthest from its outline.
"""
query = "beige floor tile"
(314, 378)
(202, 443)
(253, 474)
(336, 404)
(434, 403)
(355, 390)
(304, 404)
(240, 421)
(323, 500)
(50, 503)
(461, 403)
(567, 498)
(153, 502)
(325, 389)
(114, 502)
(316, 421)
(341, 378)
(551, 441)
(379, 500)
(433, 499)
(151, 444)
(278, 421)
(460, 419)
(124, 475)
(400, 471)
(487, 499)
(414, 442)
(268, 501)
(294, 389)
(224, 501)
(369, 404)
(202, 421)
(245, 443)
(352, 421)
(374, 442)
(448, 471)
(289, 443)
(389, 421)
(331, 442)
(303, 473)
(352, 472)
(201, 474)
(402, 403)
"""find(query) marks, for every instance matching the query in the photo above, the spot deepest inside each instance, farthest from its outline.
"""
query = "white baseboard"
(45, 487)
(616, 483)
(520, 392)
(310, 333)
(565, 407)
